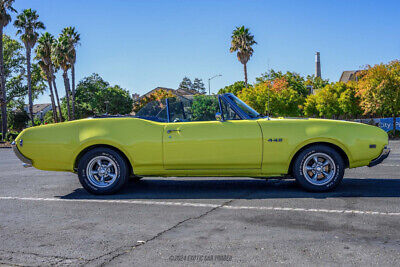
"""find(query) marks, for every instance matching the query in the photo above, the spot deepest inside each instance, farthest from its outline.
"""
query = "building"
(177, 92)
(39, 110)
(349, 75)
(181, 93)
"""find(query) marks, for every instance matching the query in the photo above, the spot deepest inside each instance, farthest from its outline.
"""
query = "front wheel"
(102, 171)
(319, 168)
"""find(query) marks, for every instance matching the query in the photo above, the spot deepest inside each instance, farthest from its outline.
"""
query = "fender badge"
(21, 142)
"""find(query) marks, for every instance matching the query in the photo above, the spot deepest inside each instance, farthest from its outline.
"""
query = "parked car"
(201, 136)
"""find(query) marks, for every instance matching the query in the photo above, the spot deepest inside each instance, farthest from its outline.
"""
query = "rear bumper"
(385, 153)
(27, 162)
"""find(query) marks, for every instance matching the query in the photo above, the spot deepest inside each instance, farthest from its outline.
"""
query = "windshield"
(155, 111)
(243, 106)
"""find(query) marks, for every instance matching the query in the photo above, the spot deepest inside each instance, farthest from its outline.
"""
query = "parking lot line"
(201, 205)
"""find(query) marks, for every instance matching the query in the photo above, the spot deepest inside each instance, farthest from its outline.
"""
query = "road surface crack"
(127, 249)
(51, 259)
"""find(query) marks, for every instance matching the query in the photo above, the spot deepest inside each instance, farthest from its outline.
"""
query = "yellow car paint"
(259, 148)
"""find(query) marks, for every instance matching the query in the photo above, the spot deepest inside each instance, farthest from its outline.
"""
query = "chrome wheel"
(102, 171)
(319, 169)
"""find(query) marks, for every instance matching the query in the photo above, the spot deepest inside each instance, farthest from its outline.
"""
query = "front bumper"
(385, 153)
(27, 162)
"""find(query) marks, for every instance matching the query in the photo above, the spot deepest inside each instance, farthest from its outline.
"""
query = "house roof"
(178, 92)
(38, 107)
(348, 75)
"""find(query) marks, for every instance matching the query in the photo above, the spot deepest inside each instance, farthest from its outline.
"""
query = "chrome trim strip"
(28, 162)
(385, 153)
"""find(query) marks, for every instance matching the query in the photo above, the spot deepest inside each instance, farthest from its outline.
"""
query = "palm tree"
(61, 49)
(242, 42)
(73, 39)
(28, 25)
(5, 18)
(53, 70)
(46, 75)
(43, 53)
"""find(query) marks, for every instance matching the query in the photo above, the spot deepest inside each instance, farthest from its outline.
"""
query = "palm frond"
(28, 26)
(242, 42)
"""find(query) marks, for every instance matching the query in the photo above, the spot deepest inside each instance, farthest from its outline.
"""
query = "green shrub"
(17, 120)
(394, 136)
(10, 136)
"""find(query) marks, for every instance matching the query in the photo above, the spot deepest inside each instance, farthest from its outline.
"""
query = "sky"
(141, 45)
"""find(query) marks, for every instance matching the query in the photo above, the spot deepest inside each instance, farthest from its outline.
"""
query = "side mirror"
(218, 116)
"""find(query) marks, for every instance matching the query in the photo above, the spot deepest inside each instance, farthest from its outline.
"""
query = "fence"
(384, 123)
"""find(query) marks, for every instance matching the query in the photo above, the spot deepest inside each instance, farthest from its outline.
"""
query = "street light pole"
(209, 79)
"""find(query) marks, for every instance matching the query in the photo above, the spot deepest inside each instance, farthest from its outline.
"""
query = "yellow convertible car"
(201, 136)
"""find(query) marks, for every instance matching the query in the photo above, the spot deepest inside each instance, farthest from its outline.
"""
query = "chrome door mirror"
(218, 116)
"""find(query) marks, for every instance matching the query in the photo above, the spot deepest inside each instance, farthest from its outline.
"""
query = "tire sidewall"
(119, 162)
(300, 160)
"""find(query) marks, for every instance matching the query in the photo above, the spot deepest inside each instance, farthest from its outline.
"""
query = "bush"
(48, 117)
(17, 120)
(10, 136)
(394, 136)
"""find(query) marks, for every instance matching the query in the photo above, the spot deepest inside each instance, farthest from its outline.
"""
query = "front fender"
(331, 141)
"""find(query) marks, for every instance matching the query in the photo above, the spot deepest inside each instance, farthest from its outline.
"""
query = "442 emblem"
(275, 140)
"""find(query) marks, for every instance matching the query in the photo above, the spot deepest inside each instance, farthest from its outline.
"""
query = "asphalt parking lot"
(46, 218)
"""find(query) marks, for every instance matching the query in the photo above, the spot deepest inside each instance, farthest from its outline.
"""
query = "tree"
(287, 102)
(48, 42)
(61, 48)
(204, 107)
(328, 102)
(242, 42)
(113, 100)
(316, 82)
(73, 40)
(198, 86)
(94, 96)
(53, 70)
(349, 101)
(28, 25)
(86, 95)
(14, 69)
(257, 97)
(293, 79)
(5, 18)
(155, 96)
(186, 84)
(379, 90)
(43, 53)
(234, 88)
(310, 106)
(18, 120)
(274, 98)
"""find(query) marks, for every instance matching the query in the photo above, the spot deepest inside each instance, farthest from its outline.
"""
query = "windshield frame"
(231, 98)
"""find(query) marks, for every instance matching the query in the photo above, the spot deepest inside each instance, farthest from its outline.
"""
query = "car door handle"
(170, 131)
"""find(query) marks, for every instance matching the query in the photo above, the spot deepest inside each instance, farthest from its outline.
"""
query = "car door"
(211, 144)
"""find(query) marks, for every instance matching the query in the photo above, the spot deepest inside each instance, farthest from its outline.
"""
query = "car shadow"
(158, 188)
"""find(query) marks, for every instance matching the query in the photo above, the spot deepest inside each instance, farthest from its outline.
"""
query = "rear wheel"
(102, 171)
(319, 168)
